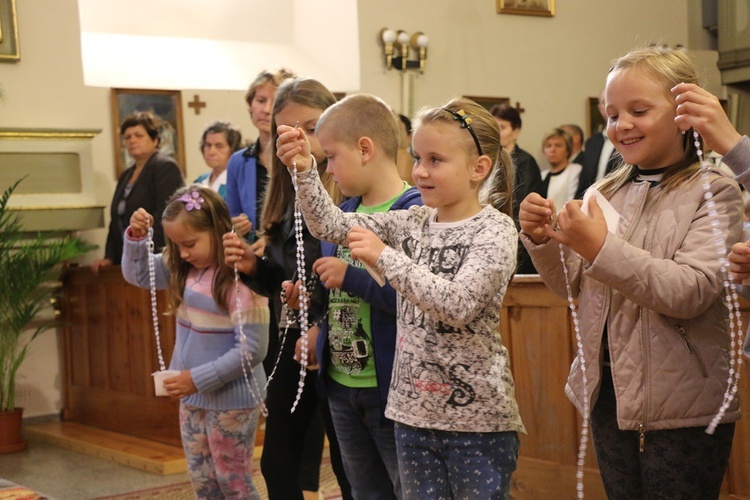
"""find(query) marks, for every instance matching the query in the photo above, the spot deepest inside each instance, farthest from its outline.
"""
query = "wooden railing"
(110, 354)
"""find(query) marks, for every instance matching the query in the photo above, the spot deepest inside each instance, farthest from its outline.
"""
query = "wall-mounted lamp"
(396, 49)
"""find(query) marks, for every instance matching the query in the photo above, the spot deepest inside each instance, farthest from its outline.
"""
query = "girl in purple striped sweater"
(218, 412)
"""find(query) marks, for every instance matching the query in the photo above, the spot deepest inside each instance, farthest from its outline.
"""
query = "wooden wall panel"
(110, 354)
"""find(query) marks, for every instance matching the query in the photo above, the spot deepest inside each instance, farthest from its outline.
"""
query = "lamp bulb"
(403, 38)
(388, 36)
(423, 40)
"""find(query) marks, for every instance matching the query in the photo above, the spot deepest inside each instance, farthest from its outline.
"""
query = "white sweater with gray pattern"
(451, 370)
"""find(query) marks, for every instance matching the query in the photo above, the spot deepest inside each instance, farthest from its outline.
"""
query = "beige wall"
(550, 65)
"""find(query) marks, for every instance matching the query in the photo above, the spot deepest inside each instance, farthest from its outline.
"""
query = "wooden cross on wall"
(519, 108)
(196, 104)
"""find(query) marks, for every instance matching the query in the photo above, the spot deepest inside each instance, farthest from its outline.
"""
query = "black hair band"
(460, 116)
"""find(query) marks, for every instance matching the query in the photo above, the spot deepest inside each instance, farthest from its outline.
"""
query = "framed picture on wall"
(597, 123)
(166, 106)
(488, 102)
(9, 50)
(527, 7)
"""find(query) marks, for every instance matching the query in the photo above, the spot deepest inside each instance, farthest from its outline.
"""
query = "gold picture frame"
(166, 105)
(488, 102)
(527, 7)
(596, 123)
(9, 47)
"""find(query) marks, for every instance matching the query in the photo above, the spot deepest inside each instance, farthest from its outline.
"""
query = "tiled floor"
(67, 475)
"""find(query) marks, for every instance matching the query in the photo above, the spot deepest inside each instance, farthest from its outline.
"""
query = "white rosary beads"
(246, 357)
(152, 285)
(303, 295)
(583, 443)
(732, 299)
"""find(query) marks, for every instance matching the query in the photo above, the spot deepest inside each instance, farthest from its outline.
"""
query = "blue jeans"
(368, 447)
(455, 465)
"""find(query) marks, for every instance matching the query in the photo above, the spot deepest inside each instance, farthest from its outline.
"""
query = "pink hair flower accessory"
(193, 201)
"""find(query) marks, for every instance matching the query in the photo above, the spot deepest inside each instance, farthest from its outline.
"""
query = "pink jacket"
(657, 285)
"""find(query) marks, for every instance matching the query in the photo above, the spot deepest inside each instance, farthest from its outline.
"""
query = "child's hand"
(259, 246)
(583, 234)
(312, 338)
(237, 251)
(535, 216)
(739, 261)
(291, 292)
(100, 264)
(291, 145)
(701, 110)
(364, 245)
(242, 225)
(180, 386)
(331, 271)
(140, 221)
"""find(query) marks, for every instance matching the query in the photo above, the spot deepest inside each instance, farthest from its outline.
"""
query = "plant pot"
(11, 439)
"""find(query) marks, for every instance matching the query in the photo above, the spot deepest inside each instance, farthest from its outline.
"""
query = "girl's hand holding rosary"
(238, 252)
(292, 145)
(140, 221)
(581, 233)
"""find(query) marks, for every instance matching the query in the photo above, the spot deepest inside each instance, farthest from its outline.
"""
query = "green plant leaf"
(29, 268)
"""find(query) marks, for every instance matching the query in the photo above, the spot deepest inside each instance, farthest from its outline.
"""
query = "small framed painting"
(166, 106)
(597, 123)
(9, 51)
(488, 102)
(527, 7)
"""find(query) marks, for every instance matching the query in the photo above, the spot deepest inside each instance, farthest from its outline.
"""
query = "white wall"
(550, 65)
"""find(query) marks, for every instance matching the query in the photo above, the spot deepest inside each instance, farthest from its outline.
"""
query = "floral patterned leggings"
(219, 450)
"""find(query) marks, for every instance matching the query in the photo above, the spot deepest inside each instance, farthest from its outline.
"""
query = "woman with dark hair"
(219, 141)
(147, 183)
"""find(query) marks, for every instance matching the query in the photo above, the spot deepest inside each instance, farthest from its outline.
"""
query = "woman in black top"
(148, 183)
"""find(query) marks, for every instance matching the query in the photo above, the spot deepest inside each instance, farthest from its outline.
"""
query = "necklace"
(152, 285)
(303, 294)
(246, 357)
(583, 443)
(732, 299)
(735, 323)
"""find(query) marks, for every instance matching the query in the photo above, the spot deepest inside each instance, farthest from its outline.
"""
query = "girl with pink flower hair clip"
(221, 339)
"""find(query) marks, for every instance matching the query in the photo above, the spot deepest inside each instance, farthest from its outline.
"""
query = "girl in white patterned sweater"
(452, 393)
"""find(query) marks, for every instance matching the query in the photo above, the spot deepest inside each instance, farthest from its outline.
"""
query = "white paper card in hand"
(610, 214)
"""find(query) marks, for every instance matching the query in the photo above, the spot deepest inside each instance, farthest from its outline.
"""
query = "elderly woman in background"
(247, 172)
(148, 183)
(561, 182)
(219, 141)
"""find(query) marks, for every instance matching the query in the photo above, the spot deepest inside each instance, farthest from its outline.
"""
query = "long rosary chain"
(732, 299)
(246, 357)
(152, 285)
(303, 295)
(583, 443)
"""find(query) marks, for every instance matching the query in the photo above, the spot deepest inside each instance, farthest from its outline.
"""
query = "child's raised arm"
(292, 145)
(135, 254)
(140, 221)
(699, 109)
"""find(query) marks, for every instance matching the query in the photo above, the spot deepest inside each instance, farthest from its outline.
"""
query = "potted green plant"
(29, 266)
